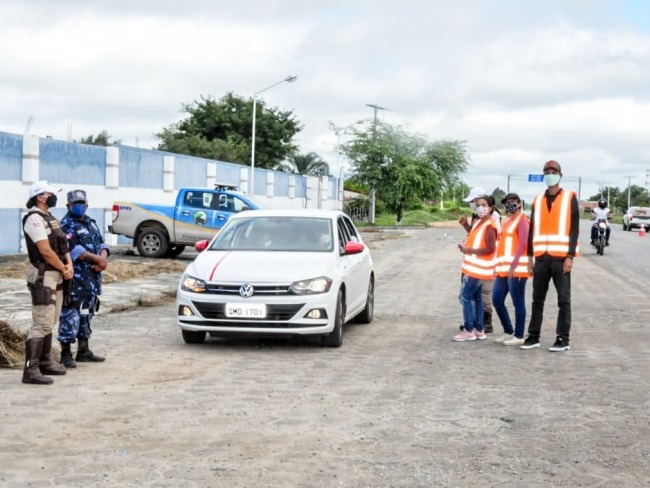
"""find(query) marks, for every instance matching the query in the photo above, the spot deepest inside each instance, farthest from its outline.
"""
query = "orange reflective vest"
(480, 267)
(551, 229)
(508, 244)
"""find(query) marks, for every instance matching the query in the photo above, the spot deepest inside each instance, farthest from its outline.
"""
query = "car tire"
(366, 315)
(624, 226)
(335, 338)
(152, 243)
(193, 336)
(174, 251)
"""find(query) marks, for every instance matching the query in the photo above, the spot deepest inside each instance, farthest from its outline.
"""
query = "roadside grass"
(421, 216)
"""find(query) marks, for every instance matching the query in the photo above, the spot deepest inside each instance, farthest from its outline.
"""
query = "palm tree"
(309, 164)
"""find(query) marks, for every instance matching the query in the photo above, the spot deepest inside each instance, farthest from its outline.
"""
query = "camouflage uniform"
(83, 236)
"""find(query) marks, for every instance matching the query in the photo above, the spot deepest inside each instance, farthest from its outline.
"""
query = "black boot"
(487, 323)
(31, 372)
(46, 364)
(85, 355)
(66, 356)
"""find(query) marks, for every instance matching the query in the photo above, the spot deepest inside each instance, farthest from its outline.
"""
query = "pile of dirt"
(118, 270)
(12, 346)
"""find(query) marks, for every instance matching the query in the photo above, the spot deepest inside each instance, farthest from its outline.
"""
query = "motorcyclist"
(602, 211)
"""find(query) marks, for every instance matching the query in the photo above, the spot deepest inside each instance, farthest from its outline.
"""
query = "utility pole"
(371, 210)
(629, 188)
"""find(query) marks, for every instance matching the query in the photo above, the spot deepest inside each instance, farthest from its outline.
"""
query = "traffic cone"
(642, 231)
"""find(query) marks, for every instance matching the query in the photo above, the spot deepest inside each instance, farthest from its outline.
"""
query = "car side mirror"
(201, 245)
(353, 248)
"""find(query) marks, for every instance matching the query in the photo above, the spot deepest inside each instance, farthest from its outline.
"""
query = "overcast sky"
(521, 81)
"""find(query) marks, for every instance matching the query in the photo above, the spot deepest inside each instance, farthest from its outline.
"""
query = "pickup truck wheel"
(174, 251)
(152, 243)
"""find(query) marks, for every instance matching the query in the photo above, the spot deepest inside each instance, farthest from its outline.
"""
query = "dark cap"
(553, 164)
(511, 196)
(77, 196)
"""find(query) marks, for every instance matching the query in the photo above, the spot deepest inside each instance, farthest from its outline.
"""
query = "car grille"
(276, 290)
(276, 312)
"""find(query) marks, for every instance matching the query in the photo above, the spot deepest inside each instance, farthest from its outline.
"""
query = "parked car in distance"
(278, 273)
(635, 217)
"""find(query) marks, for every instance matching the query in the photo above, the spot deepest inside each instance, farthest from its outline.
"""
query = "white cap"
(42, 187)
(474, 193)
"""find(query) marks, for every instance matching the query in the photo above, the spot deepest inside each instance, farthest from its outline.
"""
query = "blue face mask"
(78, 209)
(552, 179)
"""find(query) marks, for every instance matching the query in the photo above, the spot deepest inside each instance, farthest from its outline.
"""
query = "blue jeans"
(472, 302)
(517, 289)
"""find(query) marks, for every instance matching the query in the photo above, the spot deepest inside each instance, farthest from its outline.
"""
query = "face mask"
(482, 211)
(51, 201)
(78, 209)
(472, 205)
(511, 207)
(552, 179)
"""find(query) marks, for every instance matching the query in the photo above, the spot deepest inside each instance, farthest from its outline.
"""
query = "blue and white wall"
(128, 173)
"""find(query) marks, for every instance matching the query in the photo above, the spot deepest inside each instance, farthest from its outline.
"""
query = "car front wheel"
(335, 338)
(193, 336)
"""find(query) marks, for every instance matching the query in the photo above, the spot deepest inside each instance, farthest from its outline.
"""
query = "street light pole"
(339, 169)
(371, 212)
(288, 79)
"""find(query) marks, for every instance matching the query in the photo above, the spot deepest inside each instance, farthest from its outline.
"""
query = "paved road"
(399, 405)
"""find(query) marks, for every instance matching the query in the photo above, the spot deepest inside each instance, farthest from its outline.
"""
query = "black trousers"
(544, 271)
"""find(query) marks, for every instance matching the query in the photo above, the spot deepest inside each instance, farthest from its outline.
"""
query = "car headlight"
(313, 286)
(190, 283)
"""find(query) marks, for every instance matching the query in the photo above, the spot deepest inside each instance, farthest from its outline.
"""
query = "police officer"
(49, 265)
(89, 255)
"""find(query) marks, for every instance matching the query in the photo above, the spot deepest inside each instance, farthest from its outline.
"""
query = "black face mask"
(51, 201)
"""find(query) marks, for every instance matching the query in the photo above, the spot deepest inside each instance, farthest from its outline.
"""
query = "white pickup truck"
(164, 230)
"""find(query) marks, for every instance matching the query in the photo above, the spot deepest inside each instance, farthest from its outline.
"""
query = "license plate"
(246, 310)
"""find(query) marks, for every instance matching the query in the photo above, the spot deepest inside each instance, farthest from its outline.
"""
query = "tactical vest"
(57, 239)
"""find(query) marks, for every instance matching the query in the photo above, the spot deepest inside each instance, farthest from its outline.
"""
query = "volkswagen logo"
(246, 290)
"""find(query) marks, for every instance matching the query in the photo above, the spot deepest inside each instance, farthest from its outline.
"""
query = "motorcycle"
(601, 236)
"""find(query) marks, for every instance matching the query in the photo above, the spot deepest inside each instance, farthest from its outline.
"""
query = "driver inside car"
(602, 211)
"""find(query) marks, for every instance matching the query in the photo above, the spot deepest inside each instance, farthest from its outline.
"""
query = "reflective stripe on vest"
(551, 231)
(508, 244)
(480, 267)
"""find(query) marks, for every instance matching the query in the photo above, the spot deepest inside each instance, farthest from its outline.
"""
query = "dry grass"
(12, 346)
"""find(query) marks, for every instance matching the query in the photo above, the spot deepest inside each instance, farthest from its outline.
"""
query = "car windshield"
(308, 234)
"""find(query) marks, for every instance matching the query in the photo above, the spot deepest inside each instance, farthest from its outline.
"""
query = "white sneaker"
(514, 341)
(503, 337)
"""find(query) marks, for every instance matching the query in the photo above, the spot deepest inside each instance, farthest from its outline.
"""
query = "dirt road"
(399, 405)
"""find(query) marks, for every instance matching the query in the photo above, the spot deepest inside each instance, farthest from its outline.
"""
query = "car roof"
(300, 212)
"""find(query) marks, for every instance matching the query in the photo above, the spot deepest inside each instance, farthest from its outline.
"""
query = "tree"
(309, 164)
(222, 129)
(404, 168)
(498, 195)
(102, 139)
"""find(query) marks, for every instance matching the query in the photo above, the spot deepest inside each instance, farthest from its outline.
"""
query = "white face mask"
(482, 211)
(552, 179)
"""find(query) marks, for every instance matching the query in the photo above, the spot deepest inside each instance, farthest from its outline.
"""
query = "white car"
(280, 273)
(636, 217)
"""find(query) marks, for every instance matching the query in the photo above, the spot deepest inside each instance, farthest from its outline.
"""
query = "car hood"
(253, 266)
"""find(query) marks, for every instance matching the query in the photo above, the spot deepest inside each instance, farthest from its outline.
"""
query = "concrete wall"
(128, 173)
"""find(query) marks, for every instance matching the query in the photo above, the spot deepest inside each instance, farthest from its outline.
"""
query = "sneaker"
(514, 341)
(561, 344)
(531, 342)
(503, 337)
(464, 336)
(480, 335)
(607, 243)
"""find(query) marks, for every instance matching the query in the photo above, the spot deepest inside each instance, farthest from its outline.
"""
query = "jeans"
(546, 270)
(517, 289)
(472, 302)
(594, 232)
